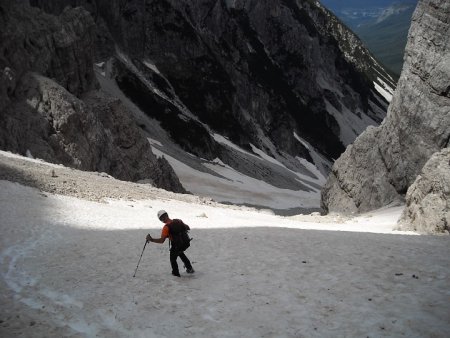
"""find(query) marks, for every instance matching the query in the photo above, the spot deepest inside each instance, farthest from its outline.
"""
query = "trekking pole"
(139, 259)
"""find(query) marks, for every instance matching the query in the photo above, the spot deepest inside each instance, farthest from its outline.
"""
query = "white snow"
(223, 140)
(235, 187)
(257, 192)
(384, 75)
(154, 142)
(264, 156)
(350, 124)
(313, 169)
(386, 91)
(67, 264)
(304, 178)
(151, 66)
(298, 138)
(321, 163)
(176, 101)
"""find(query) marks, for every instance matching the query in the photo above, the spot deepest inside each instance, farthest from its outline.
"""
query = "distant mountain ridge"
(393, 10)
(382, 25)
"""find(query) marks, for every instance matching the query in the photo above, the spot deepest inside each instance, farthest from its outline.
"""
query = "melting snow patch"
(235, 187)
(301, 140)
(154, 142)
(151, 66)
(386, 91)
(265, 156)
(225, 141)
(313, 169)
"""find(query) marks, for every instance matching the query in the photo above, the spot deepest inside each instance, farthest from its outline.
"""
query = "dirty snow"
(66, 267)
(235, 187)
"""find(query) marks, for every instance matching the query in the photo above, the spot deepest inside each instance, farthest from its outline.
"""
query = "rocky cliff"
(283, 81)
(253, 71)
(380, 166)
(49, 102)
(428, 198)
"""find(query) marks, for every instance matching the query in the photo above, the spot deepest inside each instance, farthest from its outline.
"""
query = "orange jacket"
(165, 232)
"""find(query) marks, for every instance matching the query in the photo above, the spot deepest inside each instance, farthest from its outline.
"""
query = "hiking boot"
(191, 270)
(177, 274)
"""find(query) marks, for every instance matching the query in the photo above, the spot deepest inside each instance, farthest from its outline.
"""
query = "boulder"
(428, 198)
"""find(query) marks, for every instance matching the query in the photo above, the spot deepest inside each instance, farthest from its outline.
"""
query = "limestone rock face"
(50, 104)
(364, 181)
(253, 71)
(96, 133)
(382, 164)
(428, 198)
(60, 47)
(273, 77)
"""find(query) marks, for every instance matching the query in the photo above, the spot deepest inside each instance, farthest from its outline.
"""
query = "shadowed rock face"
(49, 102)
(281, 76)
(382, 163)
(253, 71)
(60, 48)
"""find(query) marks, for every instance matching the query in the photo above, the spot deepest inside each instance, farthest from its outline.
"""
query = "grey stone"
(96, 133)
(50, 105)
(241, 67)
(428, 198)
(382, 164)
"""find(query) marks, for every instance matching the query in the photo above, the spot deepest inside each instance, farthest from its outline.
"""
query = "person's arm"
(156, 240)
(162, 239)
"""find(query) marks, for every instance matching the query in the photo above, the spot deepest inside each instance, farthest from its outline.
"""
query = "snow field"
(67, 265)
(238, 188)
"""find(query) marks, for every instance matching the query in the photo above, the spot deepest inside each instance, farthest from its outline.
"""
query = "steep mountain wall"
(253, 71)
(49, 103)
(380, 166)
(273, 89)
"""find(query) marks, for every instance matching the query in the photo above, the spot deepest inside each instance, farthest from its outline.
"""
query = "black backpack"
(179, 233)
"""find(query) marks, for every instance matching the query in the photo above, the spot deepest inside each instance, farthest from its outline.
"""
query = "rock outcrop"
(428, 198)
(49, 102)
(380, 166)
(253, 71)
(60, 48)
(284, 81)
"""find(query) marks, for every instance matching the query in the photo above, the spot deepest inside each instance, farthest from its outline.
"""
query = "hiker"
(176, 231)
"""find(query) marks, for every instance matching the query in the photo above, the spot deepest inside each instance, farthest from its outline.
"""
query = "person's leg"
(186, 262)
(173, 263)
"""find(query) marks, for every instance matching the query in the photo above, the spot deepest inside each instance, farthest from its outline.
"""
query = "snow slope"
(66, 267)
(238, 188)
(223, 183)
